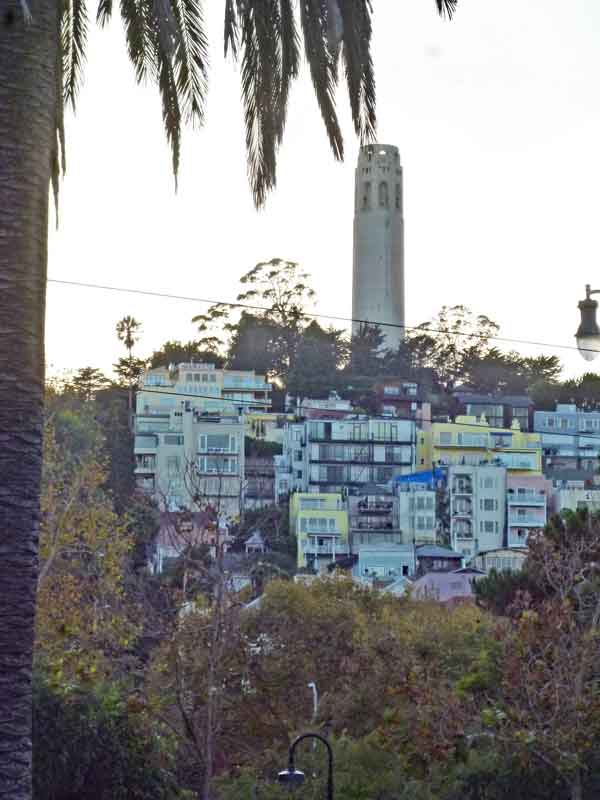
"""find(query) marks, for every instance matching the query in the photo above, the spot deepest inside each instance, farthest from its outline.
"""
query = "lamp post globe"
(588, 333)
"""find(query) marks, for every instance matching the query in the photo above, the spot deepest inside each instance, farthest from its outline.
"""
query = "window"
(216, 442)
(550, 422)
(332, 525)
(384, 199)
(366, 197)
(212, 378)
(489, 483)
(563, 423)
(172, 466)
(398, 196)
(221, 465)
(173, 439)
(445, 437)
(488, 504)
(189, 377)
(487, 526)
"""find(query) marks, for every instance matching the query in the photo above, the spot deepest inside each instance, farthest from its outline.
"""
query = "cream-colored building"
(187, 460)
(206, 387)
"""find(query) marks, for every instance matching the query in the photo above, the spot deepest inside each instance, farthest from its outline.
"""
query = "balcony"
(462, 487)
(381, 524)
(245, 385)
(526, 520)
(537, 499)
(326, 548)
(462, 511)
(375, 507)
(145, 464)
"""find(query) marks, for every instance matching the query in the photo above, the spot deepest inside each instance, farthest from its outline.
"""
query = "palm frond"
(137, 21)
(447, 7)
(191, 59)
(290, 61)
(313, 16)
(231, 28)
(358, 66)
(104, 12)
(74, 28)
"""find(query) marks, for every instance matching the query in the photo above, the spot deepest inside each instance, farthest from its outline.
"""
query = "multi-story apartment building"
(472, 442)
(320, 523)
(373, 517)
(526, 507)
(417, 512)
(477, 508)
(189, 460)
(205, 387)
(575, 498)
(570, 440)
(335, 455)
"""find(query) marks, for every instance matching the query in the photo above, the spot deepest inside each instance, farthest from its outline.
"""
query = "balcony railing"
(462, 488)
(462, 511)
(326, 548)
(526, 521)
(375, 506)
(375, 525)
(526, 499)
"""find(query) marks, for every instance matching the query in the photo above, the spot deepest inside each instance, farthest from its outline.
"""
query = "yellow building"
(320, 523)
(471, 441)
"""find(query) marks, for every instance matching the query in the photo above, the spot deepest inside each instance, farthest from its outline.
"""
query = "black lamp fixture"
(292, 777)
(588, 333)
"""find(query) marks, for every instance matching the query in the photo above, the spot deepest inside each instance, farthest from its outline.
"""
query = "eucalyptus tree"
(42, 52)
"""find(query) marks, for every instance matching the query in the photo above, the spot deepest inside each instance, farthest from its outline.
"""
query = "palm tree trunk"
(28, 103)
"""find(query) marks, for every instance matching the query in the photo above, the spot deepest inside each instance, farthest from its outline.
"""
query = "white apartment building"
(417, 513)
(345, 455)
(527, 498)
(205, 387)
(571, 498)
(477, 508)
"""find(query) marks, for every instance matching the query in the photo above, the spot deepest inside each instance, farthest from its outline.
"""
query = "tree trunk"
(28, 113)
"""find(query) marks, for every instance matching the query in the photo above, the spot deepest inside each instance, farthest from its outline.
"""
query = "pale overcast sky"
(497, 117)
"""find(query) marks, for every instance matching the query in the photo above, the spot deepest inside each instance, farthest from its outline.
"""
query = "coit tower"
(378, 269)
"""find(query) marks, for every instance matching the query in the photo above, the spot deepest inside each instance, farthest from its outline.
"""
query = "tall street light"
(292, 777)
(588, 332)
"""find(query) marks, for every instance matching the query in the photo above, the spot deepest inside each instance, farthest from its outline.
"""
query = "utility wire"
(378, 323)
(355, 416)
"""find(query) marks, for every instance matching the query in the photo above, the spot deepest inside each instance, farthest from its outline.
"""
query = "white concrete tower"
(378, 269)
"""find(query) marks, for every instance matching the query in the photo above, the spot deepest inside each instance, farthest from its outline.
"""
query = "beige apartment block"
(188, 460)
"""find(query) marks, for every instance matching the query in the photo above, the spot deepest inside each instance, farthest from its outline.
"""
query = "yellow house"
(470, 440)
(320, 523)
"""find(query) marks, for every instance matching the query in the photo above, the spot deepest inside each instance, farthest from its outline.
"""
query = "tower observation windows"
(366, 199)
(384, 199)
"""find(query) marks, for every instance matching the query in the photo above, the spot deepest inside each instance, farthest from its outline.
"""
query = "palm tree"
(42, 50)
(129, 369)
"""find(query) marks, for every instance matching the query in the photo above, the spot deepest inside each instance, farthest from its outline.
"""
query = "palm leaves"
(167, 44)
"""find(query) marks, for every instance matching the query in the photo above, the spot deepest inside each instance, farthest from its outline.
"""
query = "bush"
(91, 746)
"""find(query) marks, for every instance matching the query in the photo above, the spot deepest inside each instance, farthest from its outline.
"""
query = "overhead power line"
(332, 317)
(356, 415)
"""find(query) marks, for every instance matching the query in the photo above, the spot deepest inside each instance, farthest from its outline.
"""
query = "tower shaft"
(378, 268)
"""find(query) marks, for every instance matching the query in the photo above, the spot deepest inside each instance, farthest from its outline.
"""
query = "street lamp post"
(588, 333)
(292, 777)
